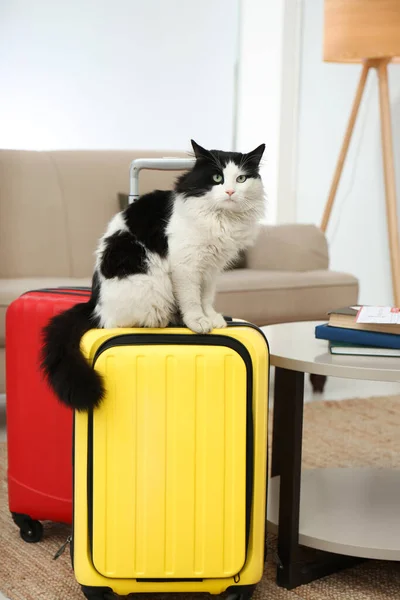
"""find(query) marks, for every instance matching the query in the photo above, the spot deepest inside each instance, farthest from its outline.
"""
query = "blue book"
(357, 336)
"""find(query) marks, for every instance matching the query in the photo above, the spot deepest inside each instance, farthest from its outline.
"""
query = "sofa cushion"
(266, 297)
(262, 297)
(294, 247)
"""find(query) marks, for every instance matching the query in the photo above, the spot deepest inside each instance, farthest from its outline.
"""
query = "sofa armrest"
(295, 247)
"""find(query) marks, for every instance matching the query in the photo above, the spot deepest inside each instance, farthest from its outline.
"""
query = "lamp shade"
(355, 30)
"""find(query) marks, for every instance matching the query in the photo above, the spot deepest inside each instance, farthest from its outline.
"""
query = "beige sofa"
(55, 205)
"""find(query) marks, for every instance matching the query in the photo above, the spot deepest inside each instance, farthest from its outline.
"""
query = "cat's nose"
(230, 192)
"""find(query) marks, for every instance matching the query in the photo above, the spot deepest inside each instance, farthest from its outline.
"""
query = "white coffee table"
(342, 513)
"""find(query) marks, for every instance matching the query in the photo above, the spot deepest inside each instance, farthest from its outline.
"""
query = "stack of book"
(362, 331)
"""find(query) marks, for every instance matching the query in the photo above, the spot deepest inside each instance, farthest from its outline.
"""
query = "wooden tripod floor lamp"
(367, 32)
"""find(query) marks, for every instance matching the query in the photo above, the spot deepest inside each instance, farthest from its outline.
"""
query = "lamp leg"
(390, 182)
(345, 145)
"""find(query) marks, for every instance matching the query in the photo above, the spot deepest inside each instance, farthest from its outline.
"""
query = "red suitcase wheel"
(31, 531)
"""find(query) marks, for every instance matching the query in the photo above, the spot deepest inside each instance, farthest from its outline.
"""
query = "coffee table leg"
(279, 424)
(298, 564)
(286, 462)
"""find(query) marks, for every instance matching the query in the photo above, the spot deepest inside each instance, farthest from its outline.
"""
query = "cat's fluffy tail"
(67, 371)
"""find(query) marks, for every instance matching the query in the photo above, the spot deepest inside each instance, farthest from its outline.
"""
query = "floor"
(335, 389)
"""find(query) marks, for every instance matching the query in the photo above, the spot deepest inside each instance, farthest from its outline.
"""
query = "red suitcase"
(39, 428)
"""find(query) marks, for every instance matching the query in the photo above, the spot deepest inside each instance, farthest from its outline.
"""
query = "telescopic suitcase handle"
(157, 164)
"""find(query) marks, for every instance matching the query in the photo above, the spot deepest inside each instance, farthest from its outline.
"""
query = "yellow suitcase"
(170, 472)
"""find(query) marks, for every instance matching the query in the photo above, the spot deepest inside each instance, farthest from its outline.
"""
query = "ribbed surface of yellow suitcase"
(170, 471)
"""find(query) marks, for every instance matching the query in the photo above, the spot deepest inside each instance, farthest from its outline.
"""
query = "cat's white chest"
(206, 239)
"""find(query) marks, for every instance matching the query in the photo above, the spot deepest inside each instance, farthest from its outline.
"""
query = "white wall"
(357, 230)
(121, 74)
(259, 88)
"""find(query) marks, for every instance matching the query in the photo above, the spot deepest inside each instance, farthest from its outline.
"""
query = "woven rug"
(348, 433)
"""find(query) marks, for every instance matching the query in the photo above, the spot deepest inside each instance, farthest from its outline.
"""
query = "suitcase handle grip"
(161, 164)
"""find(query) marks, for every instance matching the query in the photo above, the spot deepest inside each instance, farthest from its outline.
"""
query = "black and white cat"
(158, 262)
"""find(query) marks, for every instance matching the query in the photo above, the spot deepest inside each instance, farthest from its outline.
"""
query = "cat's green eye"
(217, 178)
(241, 178)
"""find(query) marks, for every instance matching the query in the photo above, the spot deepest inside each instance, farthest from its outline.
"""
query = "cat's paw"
(218, 321)
(198, 323)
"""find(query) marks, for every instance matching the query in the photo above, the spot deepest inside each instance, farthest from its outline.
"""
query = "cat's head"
(224, 180)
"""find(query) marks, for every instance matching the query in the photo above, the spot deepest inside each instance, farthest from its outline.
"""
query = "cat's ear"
(255, 155)
(199, 151)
